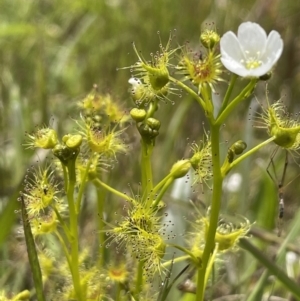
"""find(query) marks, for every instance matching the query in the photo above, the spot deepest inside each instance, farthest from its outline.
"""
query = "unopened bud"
(180, 168)
(138, 115)
(72, 141)
(209, 39)
(153, 123)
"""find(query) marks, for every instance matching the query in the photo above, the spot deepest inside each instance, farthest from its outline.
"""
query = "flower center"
(252, 62)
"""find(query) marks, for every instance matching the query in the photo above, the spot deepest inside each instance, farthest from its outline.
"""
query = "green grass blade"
(273, 269)
(32, 255)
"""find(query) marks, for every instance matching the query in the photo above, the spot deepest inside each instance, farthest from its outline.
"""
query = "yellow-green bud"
(180, 168)
(48, 227)
(147, 132)
(158, 77)
(209, 39)
(196, 159)
(45, 138)
(285, 137)
(72, 141)
(138, 115)
(153, 123)
(64, 153)
(238, 147)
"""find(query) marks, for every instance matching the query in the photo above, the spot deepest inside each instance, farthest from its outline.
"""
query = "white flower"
(251, 53)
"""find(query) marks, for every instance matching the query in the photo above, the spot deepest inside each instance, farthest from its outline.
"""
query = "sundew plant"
(135, 257)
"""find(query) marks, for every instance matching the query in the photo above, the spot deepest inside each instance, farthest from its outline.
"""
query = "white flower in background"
(233, 183)
(251, 53)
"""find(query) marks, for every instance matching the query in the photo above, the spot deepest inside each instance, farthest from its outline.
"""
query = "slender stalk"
(147, 182)
(214, 212)
(74, 230)
(161, 183)
(245, 155)
(163, 191)
(118, 291)
(210, 265)
(190, 254)
(139, 280)
(175, 260)
(83, 185)
(228, 92)
(152, 108)
(65, 174)
(99, 183)
(100, 206)
(65, 249)
(62, 223)
(245, 93)
(189, 91)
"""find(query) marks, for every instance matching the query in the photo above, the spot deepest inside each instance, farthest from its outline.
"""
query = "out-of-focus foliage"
(51, 54)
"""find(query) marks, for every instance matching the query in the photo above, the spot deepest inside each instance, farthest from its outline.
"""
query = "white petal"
(231, 52)
(259, 71)
(252, 38)
(273, 49)
(235, 66)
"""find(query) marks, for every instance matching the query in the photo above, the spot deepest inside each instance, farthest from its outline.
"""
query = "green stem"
(210, 265)
(62, 223)
(152, 108)
(74, 230)
(118, 291)
(65, 175)
(206, 94)
(175, 260)
(186, 251)
(189, 91)
(214, 212)
(292, 286)
(227, 168)
(139, 280)
(147, 180)
(227, 111)
(161, 183)
(65, 249)
(100, 206)
(83, 185)
(99, 183)
(163, 191)
(228, 92)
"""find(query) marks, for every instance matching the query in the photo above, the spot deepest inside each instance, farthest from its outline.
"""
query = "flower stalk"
(214, 213)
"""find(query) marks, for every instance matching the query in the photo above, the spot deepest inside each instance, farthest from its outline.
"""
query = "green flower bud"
(153, 123)
(72, 141)
(64, 153)
(43, 138)
(209, 39)
(147, 132)
(238, 147)
(180, 168)
(138, 115)
(230, 155)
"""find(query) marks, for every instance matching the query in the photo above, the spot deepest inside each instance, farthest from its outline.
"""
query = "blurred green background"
(51, 54)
